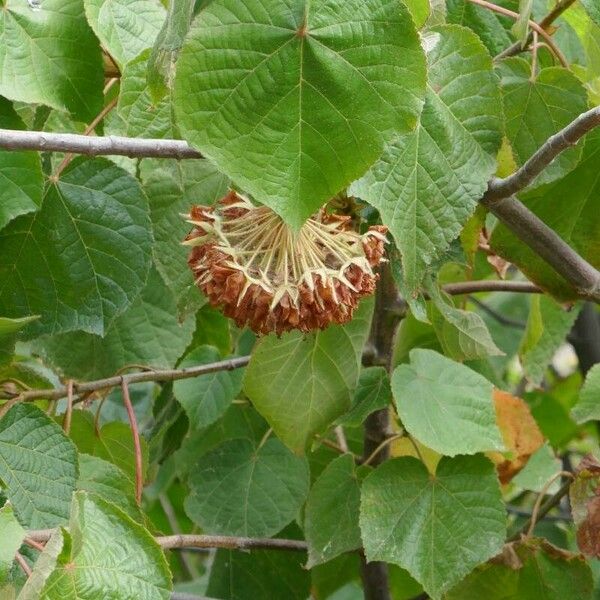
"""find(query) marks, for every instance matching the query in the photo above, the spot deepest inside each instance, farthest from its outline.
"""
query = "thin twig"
(543, 511)
(340, 436)
(23, 564)
(95, 146)
(69, 411)
(69, 157)
(502, 319)
(552, 147)
(381, 446)
(545, 23)
(139, 478)
(491, 285)
(535, 513)
(34, 544)
(534, 26)
(170, 542)
(169, 511)
(159, 375)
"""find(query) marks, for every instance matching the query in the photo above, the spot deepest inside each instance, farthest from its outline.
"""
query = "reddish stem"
(136, 441)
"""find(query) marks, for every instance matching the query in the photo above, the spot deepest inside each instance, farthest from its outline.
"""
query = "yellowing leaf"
(520, 433)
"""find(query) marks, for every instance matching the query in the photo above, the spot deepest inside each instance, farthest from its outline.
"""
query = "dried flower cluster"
(264, 275)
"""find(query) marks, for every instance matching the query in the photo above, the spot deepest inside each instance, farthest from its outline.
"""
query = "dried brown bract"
(265, 275)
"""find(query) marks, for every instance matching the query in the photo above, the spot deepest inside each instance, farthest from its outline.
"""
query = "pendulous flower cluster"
(265, 275)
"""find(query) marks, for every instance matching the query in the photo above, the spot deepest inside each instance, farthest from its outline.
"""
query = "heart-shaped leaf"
(294, 99)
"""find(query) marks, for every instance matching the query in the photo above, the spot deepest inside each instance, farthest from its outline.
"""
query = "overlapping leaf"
(331, 517)
(38, 467)
(207, 397)
(82, 259)
(21, 184)
(238, 489)
(172, 187)
(547, 327)
(149, 332)
(529, 570)
(437, 397)
(260, 574)
(8, 336)
(50, 56)
(125, 27)
(427, 183)
(104, 554)
(141, 116)
(588, 405)
(301, 383)
(521, 434)
(436, 527)
(536, 109)
(574, 220)
(11, 538)
(294, 100)
(161, 65)
(487, 24)
(100, 477)
(372, 392)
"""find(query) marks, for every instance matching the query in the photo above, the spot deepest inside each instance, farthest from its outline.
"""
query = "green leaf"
(529, 570)
(100, 477)
(125, 27)
(38, 467)
(115, 445)
(574, 221)
(547, 327)
(212, 329)
(372, 393)
(419, 11)
(206, 398)
(105, 554)
(588, 405)
(294, 103)
(50, 56)
(541, 466)
(11, 538)
(8, 336)
(82, 259)
(462, 333)
(436, 527)
(161, 66)
(428, 183)
(172, 187)
(239, 421)
(445, 405)
(140, 115)
(593, 9)
(148, 333)
(238, 489)
(537, 109)
(21, 183)
(486, 24)
(301, 383)
(331, 517)
(259, 574)
(521, 25)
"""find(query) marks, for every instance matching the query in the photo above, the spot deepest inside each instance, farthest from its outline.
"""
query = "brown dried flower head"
(264, 275)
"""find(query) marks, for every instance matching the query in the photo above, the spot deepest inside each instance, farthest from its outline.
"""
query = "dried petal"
(247, 261)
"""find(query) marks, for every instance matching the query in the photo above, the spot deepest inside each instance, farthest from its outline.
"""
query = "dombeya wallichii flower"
(264, 275)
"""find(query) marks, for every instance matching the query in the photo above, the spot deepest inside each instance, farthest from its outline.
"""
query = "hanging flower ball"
(264, 275)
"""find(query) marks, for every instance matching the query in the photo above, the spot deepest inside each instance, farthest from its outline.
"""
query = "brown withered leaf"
(584, 494)
(520, 432)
